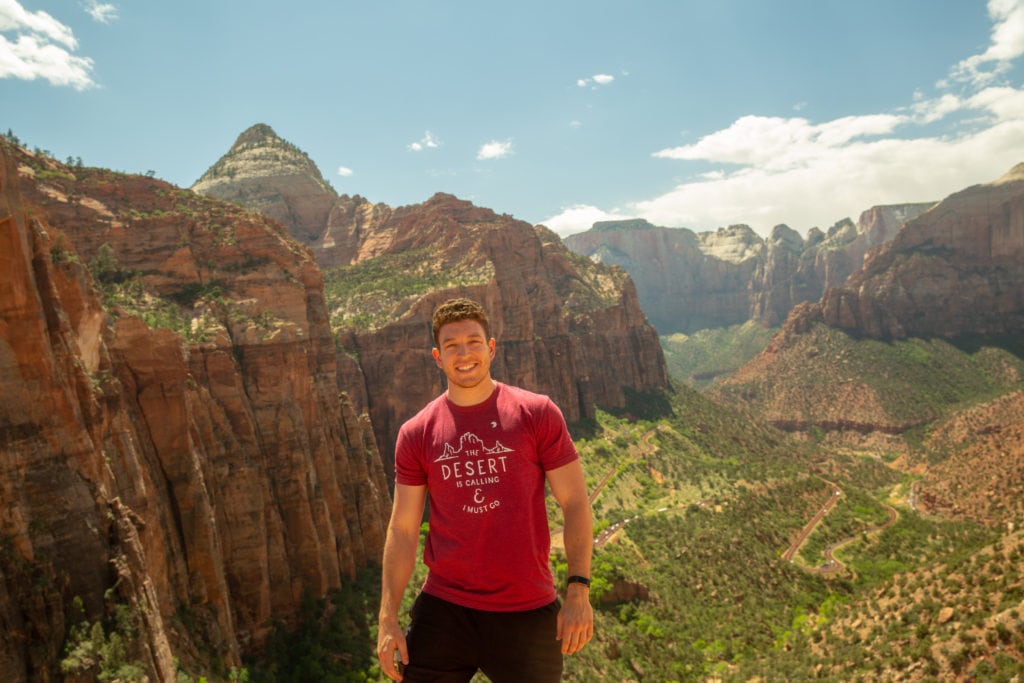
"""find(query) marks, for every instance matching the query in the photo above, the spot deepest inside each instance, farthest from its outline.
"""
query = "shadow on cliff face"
(971, 344)
(645, 405)
(640, 405)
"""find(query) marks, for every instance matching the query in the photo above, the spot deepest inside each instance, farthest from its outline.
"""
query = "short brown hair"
(456, 310)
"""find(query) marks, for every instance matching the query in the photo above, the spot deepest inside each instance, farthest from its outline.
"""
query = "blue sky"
(690, 114)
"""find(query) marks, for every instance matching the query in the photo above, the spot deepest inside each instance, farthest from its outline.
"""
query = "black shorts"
(448, 643)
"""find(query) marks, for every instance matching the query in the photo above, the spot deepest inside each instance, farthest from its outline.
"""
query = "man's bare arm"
(400, 547)
(576, 619)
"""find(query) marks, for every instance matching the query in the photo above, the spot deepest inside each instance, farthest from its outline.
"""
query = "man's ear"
(492, 345)
(437, 355)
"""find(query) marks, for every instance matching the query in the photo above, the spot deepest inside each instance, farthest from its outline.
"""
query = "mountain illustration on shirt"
(471, 442)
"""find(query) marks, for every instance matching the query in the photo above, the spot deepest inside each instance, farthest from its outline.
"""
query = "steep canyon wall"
(209, 476)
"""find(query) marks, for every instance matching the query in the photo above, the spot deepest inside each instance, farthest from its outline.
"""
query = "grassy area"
(700, 358)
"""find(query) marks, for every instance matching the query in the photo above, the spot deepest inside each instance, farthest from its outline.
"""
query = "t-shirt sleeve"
(554, 444)
(409, 469)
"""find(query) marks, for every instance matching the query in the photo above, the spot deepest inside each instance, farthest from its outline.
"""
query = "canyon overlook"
(198, 426)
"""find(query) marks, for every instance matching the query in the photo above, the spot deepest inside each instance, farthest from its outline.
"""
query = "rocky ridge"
(956, 271)
(566, 327)
(174, 439)
(689, 281)
(265, 173)
(299, 196)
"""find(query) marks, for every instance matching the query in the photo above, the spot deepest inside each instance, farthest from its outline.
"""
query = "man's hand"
(391, 641)
(575, 619)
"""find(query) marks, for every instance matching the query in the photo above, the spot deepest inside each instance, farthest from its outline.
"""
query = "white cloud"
(14, 17)
(780, 143)
(930, 111)
(763, 171)
(1005, 105)
(345, 171)
(495, 149)
(805, 175)
(792, 171)
(40, 47)
(428, 141)
(1007, 44)
(103, 12)
(595, 80)
(579, 218)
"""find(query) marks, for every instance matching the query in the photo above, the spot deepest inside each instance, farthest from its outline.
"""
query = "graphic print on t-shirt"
(476, 467)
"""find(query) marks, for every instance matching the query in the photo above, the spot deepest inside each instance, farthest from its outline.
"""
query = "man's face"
(464, 353)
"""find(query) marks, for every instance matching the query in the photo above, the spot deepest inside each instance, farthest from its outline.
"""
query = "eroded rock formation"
(950, 283)
(690, 281)
(206, 475)
(565, 327)
(956, 271)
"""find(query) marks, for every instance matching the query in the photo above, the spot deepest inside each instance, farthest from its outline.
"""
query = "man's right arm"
(400, 547)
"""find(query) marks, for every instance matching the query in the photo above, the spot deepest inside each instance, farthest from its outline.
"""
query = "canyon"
(206, 483)
(196, 433)
(689, 281)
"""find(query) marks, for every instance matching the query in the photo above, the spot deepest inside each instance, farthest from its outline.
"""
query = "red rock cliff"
(691, 281)
(217, 477)
(957, 270)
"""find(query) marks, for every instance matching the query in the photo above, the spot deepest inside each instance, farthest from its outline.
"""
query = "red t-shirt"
(489, 544)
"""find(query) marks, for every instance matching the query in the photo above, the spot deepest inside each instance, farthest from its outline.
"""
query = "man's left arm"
(576, 618)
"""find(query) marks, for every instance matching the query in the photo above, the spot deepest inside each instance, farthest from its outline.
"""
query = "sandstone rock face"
(269, 175)
(212, 471)
(957, 270)
(955, 273)
(689, 281)
(265, 173)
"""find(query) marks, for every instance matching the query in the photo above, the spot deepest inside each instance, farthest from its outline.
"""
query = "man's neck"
(471, 396)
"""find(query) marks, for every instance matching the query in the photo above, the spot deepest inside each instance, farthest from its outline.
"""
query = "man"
(483, 451)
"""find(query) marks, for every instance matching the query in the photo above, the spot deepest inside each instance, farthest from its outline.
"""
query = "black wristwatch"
(578, 579)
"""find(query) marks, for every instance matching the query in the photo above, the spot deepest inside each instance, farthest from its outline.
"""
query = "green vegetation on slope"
(374, 292)
(912, 381)
(702, 357)
(693, 512)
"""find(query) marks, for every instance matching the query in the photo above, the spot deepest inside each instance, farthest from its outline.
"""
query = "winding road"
(833, 565)
(645, 448)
